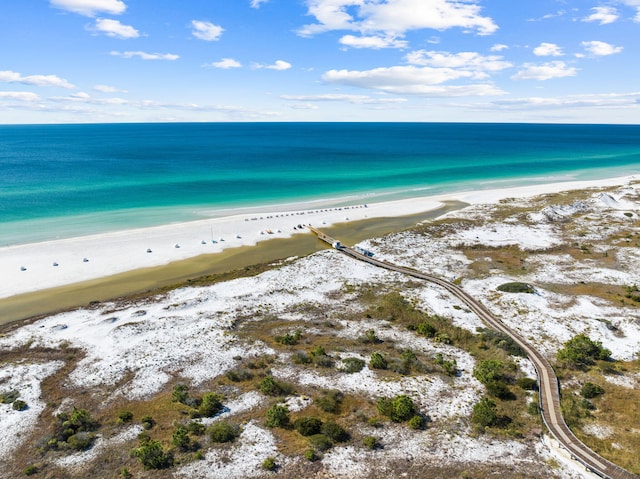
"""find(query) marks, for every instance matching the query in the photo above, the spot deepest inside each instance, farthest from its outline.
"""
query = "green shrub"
(352, 365)
(399, 409)
(308, 426)
(300, 357)
(330, 401)
(289, 339)
(271, 387)
(580, 352)
(587, 405)
(416, 422)
(377, 361)
(311, 455)
(426, 329)
(269, 464)
(8, 397)
(500, 390)
(125, 474)
(533, 408)
(81, 441)
(180, 438)
(147, 422)
(489, 370)
(502, 340)
(125, 416)
(180, 393)
(485, 413)
(277, 416)
(20, 405)
(30, 470)
(211, 404)
(334, 431)
(239, 375)
(590, 390)
(152, 456)
(223, 431)
(320, 442)
(370, 337)
(516, 288)
(371, 442)
(196, 428)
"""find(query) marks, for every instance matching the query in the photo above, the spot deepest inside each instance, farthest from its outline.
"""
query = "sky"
(103, 61)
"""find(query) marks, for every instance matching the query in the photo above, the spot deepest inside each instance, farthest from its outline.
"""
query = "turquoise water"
(70, 180)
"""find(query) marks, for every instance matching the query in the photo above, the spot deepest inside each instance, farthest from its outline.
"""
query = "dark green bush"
(152, 456)
(20, 405)
(269, 464)
(528, 384)
(311, 455)
(426, 329)
(8, 397)
(377, 361)
(277, 416)
(147, 422)
(590, 390)
(308, 426)
(488, 371)
(416, 422)
(352, 365)
(211, 404)
(239, 375)
(371, 442)
(271, 387)
(502, 340)
(180, 438)
(300, 357)
(320, 442)
(516, 288)
(289, 339)
(196, 428)
(399, 409)
(125, 416)
(330, 401)
(485, 413)
(370, 337)
(223, 431)
(580, 352)
(30, 470)
(180, 393)
(334, 431)
(81, 441)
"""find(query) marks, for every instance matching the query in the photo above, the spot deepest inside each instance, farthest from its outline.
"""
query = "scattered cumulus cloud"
(278, 65)
(206, 30)
(226, 63)
(19, 95)
(341, 97)
(145, 55)
(257, 3)
(546, 71)
(107, 89)
(470, 61)
(374, 42)
(548, 50)
(411, 80)
(90, 8)
(9, 76)
(598, 49)
(395, 17)
(113, 28)
(603, 15)
(498, 47)
(605, 100)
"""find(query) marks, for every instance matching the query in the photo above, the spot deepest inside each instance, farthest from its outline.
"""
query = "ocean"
(60, 181)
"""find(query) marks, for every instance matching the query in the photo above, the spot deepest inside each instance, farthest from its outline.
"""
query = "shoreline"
(118, 263)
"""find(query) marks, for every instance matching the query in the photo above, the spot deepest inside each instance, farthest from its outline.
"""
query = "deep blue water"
(69, 180)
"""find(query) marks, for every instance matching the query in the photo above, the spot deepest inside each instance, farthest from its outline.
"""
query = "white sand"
(30, 267)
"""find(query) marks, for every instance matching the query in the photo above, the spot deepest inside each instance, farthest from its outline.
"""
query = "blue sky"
(569, 61)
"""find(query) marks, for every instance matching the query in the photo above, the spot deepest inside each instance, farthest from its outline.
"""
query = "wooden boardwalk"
(548, 383)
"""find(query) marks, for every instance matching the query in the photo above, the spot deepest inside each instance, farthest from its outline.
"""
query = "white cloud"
(546, 71)
(603, 15)
(470, 61)
(605, 100)
(113, 28)
(374, 42)
(498, 47)
(278, 65)
(146, 56)
(257, 3)
(411, 80)
(341, 97)
(548, 50)
(600, 48)
(90, 8)
(226, 63)
(19, 95)
(8, 76)
(107, 89)
(395, 17)
(206, 31)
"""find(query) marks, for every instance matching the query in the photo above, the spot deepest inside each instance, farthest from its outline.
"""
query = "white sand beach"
(38, 266)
